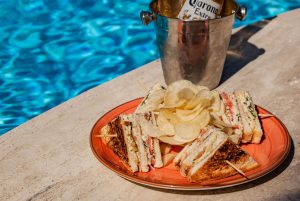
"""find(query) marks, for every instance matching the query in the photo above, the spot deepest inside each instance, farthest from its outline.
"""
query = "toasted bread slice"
(158, 163)
(247, 123)
(249, 116)
(148, 124)
(130, 142)
(181, 155)
(152, 100)
(123, 144)
(189, 148)
(214, 166)
(196, 149)
(142, 151)
(233, 115)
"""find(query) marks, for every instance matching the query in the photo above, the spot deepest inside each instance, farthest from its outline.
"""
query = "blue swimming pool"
(52, 50)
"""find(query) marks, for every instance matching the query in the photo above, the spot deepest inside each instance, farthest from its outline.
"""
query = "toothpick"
(112, 135)
(236, 168)
(266, 115)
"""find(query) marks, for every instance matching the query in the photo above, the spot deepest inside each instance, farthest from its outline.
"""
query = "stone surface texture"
(49, 157)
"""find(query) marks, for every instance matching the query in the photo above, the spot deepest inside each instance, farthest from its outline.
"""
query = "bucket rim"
(151, 4)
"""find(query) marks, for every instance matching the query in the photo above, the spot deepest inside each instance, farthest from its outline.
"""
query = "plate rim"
(184, 187)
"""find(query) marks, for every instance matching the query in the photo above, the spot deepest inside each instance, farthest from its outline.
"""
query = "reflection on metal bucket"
(192, 50)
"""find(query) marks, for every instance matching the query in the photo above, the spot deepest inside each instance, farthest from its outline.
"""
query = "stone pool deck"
(49, 157)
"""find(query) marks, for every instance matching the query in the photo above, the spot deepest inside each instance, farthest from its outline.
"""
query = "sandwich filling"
(231, 110)
(117, 134)
(234, 116)
(132, 150)
(148, 126)
(142, 152)
(194, 148)
(246, 106)
(250, 117)
(214, 165)
(210, 146)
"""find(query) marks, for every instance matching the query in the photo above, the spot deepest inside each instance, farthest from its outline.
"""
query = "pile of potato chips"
(182, 110)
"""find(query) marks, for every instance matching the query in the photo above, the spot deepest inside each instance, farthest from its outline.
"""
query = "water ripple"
(52, 50)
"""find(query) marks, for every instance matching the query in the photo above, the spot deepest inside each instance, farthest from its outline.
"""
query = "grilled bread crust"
(217, 168)
(119, 144)
(116, 144)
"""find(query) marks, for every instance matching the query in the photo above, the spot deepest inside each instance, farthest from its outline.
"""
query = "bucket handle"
(147, 17)
(241, 12)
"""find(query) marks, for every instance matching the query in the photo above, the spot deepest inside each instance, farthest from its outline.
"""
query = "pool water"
(52, 50)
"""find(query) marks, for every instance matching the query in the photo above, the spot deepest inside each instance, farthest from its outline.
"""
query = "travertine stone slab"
(49, 157)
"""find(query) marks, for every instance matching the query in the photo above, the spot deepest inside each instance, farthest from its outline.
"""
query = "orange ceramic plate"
(270, 153)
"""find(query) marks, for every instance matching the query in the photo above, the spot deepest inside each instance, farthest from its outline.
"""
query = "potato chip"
(186, 94)
(199, 88)
(170, 140)
(187, 131)
(164, 124)
(203, 97)
(185, 84)
(202, 119)
(184, 110)
(216, 102)
(180, 139)
(171, 101)
(178, 93)
(170, 115)
(189, 115)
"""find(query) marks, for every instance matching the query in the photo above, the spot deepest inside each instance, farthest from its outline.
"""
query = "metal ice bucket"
(192, 50)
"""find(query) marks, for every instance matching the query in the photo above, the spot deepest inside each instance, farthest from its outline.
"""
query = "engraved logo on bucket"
(199, 10)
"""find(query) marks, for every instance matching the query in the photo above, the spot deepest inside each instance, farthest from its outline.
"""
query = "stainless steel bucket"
(192, 50)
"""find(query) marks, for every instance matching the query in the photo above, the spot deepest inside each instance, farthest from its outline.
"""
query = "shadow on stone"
(241, 187)
(241, 51)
